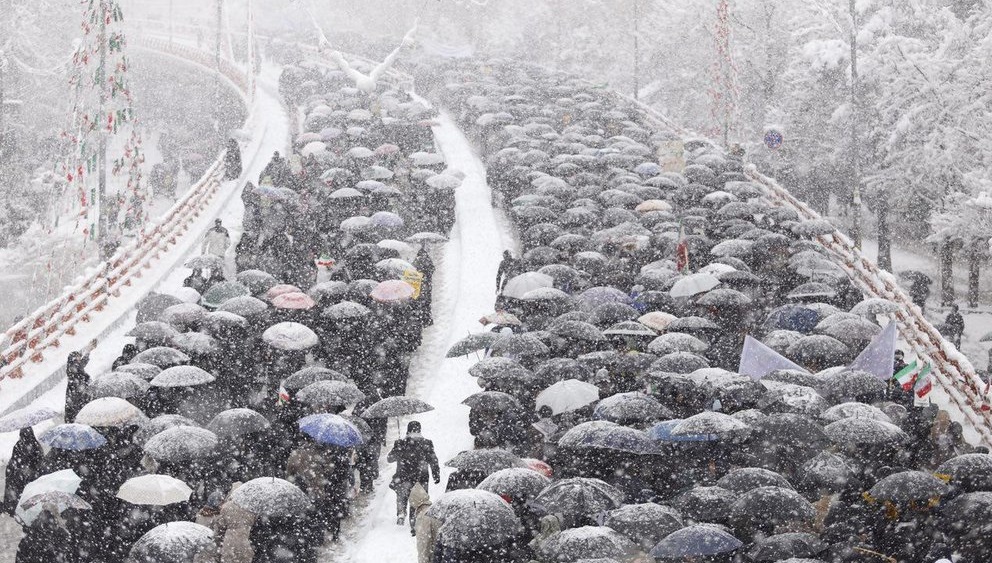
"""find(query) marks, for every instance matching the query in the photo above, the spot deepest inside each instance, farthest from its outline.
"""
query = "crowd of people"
(222, 434)
(611, 422)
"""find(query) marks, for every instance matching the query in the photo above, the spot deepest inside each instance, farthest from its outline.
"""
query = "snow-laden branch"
(364, 82)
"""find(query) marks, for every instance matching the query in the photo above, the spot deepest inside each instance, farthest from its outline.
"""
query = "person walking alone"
(415, 463)
(217, 240)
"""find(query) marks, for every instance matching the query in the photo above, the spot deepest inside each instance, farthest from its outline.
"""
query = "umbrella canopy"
(61, 500)
(117, 384)
(577, 330)
(182, 376)
(492, 401)
(518, 483)
(396, 406)
(854, 410)
(237, 422)
(519, 286)
(875, 306)
(500, 368)
(245, 306)
(294, 301)
(220, 293)
(311, 374)
(693, 284)
(970, 472)
(786, 547)
(723, 298)
(500, 318)
(110, 412)
(392, 291)
(290, 336)
(852, 385)
(812, 291)
(663, 432)
(518, 345)
(818, 350)
(197, 342)
(772, 505)
(602, 434)
(580, 496)
(795, 318)
(472, 343)
(710, 423)
(162, 422)
(699, 540)
(631, 407)
(567, 395)
(907, 486)
(180, 444)
(586, 542)
(346, 310)
(272, 497)
(677, 342)
(184, 315)
(657, 320)
(25, 417)
(331, 429)
(326, 393)
(155, 490)
(645, 524)
(745, 479)
(73, 437)
(630, 328)
(257, 281)
(472, 518)
(65, 481)
(175, 542)
(144, 371)
(485, 460)
(161, 357)
(206, 262)
(864, 431)
(828, 472)
(154, 331)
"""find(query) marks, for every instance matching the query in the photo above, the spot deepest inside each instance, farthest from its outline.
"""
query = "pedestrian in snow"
(211, 510)
(46, 540)
(899, 362)
(232, 532)
(197, 281)
(507, 269)
(954, 326)
(127, 354)
(415, 463)
(278, 170)
(75, 393)
(22, 468)
(426, 528)
(232, 160)
(216, 240)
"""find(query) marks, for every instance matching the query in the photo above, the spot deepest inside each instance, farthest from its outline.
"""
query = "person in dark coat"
(277, 170)
(25, 461)
(75, 372)
(954, 326)
(127, 354)
(507, 269)
(415, 463)
(232, 160)
(46, 540)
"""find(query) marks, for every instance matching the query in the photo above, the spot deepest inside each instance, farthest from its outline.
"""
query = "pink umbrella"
(280, 289)
(387, 149)
(392, 291)
(293, 300)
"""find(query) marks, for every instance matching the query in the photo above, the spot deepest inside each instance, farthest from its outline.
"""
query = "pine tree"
(103, 115)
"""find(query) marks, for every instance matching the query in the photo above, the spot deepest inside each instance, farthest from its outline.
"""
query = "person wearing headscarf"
(22, 468)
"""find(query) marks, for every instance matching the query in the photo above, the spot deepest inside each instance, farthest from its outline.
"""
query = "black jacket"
(413, 456)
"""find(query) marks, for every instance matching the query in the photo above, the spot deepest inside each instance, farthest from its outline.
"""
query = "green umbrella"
(222, 292)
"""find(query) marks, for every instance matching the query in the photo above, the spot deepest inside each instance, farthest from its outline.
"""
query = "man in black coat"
(507, 269)
(75, 394)
(413, 456)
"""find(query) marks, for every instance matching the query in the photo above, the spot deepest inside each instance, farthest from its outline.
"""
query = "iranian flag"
(924, 383)
(682, 252)
(907, 376)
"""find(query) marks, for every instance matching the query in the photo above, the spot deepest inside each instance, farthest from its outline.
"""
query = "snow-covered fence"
(41, 332)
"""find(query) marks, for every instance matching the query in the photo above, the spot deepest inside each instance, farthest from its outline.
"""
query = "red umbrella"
(293, 300)
(280, 289)
(539, 466)
(392, 291)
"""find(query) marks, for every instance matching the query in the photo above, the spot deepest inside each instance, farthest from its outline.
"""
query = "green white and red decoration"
(724, 92)
(103, 108)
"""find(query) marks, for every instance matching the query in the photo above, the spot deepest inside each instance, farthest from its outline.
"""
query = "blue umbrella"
(75, 437)
(792, 317)
(701, 540)
(648, 169)
(663, 432)
(331, 429)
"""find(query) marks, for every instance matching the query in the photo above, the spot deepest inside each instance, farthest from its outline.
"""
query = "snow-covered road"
(464, 291)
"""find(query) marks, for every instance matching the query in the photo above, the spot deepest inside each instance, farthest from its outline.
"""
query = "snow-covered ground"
(464, 291)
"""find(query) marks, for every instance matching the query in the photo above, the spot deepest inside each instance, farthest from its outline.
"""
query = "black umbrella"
(500, 368)
(558, 369)
(852, 386)
(330, 393)
(785, 546)
(473, 518)
(705, 504)
(237, 422)
(492, 401)
(396, 406)
(580, 496)
(577, 330)
(631, 407)
(772, 505)
(969, 472)
(602, 434)
(745, 479)
(680, 362)
(300, 379)
(516, 482)
(864, 432)
(585, 542)
(696, 542)
(827, 472)
(818, 350)
(907, 486)
(472, 343)
(645, 524)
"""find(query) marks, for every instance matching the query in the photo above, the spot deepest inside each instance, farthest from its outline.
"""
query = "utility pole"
(217, 46)
(103, 222)
(637, 49)
(855, 136)
(4, 41)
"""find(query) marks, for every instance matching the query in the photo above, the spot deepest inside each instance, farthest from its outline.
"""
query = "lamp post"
(855, 136)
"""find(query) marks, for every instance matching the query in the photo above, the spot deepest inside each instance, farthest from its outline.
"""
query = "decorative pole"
(855, 136)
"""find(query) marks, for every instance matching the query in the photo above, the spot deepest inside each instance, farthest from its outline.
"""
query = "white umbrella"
(182, 376)
(875, 306)
(693, 284)
(156, 490)
(290, 336)
(66, 481)
(568, 395)
(709, 423)
(520, 285)
(110, 412)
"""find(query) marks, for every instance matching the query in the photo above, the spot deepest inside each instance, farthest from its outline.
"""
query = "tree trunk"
(884, 238)
(947, 273)
(974, 270)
